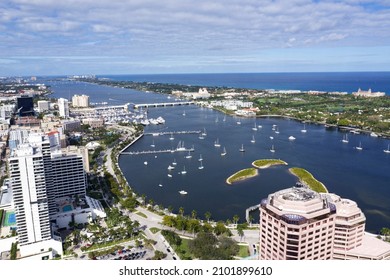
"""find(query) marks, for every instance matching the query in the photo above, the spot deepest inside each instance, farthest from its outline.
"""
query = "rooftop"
(371, 247)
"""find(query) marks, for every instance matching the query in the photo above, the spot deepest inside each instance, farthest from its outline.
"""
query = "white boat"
(184, 113)
(224, 118)
(171, 138)
(201, 166)
(145, 162)
(170, 167)
(238, 122)
(277, 131)
(184, 170)
(242, 148)
(160, 185)
(201, 136)
(259, 126)
(200, 158)
(291, 138)
(152, 145)
(271, 137)
(304, 129)
(272, 150)
(183, 192)
(274, 127)
(216, 119)
(253, 139)
(180, 146)
(359, 148)
(388, 150)
(170, 175)
(216, 143)
(254, 127)
(345, 139)
(223, 152)
(373, 134)
(174, 162)
(204, 132)
(189, 155)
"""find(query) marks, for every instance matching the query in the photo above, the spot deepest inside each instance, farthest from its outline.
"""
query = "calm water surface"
(362, 176)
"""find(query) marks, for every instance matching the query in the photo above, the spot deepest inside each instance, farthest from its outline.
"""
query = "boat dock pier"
(165, 104)
(250, 209)
(157, 151)
(173, 132)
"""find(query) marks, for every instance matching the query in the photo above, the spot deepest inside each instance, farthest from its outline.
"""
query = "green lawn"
(244, 251)
(141, 214)
(307, 178)
(242, 175)
(183, 251)
(265, 163)
(154, 230)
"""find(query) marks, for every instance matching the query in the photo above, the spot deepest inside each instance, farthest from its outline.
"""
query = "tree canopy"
(207, 246)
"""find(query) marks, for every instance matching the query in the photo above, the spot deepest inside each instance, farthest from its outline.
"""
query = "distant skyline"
(47, 37)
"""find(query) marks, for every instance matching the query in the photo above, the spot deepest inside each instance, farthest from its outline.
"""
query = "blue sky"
(51, 37)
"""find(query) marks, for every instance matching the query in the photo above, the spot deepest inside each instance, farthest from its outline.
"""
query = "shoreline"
(271, 163)
(304, 182)
(241, 178)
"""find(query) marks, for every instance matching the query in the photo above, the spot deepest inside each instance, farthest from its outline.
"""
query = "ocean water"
(327, 81)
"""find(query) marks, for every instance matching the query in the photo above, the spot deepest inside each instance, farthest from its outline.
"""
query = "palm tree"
(236, 218)
(240, 232)
(250, 220)
(170, 208)
(207, 215)
(181, 211)
(193, 214)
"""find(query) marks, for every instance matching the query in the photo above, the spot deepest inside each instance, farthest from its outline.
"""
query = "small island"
(242, 175)
(265, 163)
(307, 178)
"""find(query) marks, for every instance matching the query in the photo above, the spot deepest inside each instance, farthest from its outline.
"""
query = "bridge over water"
(165, 104)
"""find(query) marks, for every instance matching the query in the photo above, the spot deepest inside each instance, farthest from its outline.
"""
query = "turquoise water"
(67, 208)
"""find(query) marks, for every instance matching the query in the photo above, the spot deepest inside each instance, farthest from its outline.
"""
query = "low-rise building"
(368, 93)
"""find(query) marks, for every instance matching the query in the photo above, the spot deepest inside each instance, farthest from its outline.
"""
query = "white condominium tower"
(63, 107)
(299, 224)
(30, 198)
(80, 100)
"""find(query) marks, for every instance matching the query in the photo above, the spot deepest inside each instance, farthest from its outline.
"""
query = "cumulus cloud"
(187, 29)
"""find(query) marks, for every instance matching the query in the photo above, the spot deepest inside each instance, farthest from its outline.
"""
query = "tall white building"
(29, 193)
(80, 100)
(63, 107)
(40, 174)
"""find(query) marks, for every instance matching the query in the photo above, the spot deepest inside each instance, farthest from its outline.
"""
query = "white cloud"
(187, 29)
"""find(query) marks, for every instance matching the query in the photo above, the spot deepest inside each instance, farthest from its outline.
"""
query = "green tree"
(236, 218)
(207, 215)
(240, 232)
(193, 214)
(206, 246)
(181, 211)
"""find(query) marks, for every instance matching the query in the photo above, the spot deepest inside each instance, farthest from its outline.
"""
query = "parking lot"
(127, 255)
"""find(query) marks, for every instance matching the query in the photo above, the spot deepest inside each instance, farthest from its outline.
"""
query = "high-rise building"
(80, 100)
(298, 223)
(29, 193)
(25, 106)
(69, 178)
(63, 107)
(40, 174)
